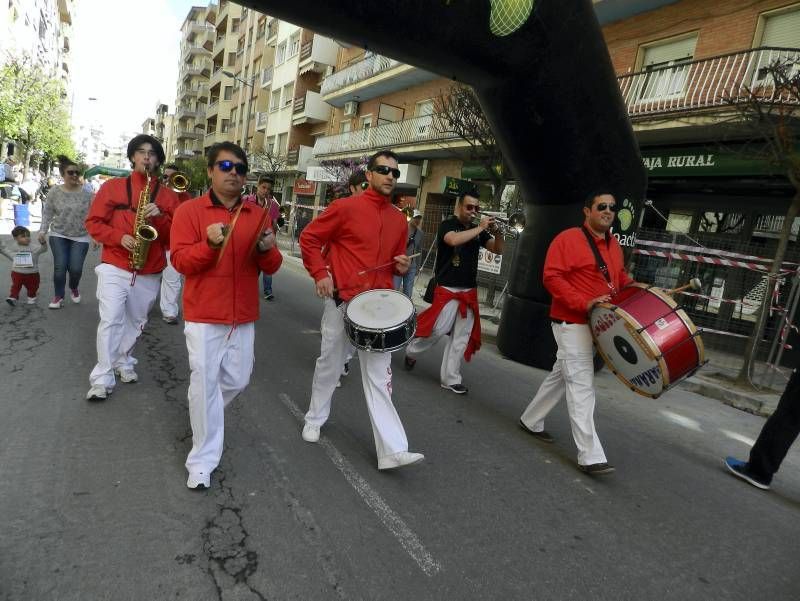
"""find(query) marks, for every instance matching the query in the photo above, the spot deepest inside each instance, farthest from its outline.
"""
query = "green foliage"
(196, 170)
(33, 110)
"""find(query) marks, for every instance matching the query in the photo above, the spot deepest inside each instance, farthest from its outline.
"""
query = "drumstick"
(363, 271)
(694, 284)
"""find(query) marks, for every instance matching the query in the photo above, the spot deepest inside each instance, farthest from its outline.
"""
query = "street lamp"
(249, 83)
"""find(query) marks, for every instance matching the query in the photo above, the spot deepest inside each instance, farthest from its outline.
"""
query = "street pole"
(248, 84)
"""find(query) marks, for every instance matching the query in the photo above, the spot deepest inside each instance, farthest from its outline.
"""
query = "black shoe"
(457, 388)
(596, 469)
(11, 301)
(346, 370)
(739, 469)
(544, 436)
(269, 296)
(410, 363)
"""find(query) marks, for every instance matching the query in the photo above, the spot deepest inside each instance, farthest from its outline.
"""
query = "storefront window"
(679, 222)
(720, 223)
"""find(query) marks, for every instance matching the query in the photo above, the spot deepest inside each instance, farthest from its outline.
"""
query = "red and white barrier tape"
(708, 251)
(709, 260)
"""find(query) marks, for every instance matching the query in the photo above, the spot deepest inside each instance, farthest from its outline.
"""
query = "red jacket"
(571, 275)
(466, 299)
(111, 216)
(224, 292)
(358, 233)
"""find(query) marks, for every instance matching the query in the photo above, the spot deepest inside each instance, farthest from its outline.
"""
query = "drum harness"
(601, 264)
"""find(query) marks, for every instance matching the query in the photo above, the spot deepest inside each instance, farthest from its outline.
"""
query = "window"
(275, 100)
(283, 140)
(288, 94)
(366, 122)
(294, 44)
(225, 124)
(668, 71)
(231, 59)
(345, 126)
(780, 29)
(269, 144)
(228, 93)
(720, 223)
(234, 25)
(680, 222)
(424, 113)
(280, 53)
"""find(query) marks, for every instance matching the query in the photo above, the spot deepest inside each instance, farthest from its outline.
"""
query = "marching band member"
(170, 279)
(356, 233)
(455, 309)
(125, 295)
(220, 244)
(574, 279)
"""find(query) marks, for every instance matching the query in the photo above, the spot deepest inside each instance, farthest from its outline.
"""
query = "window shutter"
(782, 30)
(677, 50)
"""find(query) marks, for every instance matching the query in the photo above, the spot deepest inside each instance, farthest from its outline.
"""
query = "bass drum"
(380, 321)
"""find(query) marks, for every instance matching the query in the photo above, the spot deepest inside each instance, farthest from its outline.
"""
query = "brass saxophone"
(143, 232)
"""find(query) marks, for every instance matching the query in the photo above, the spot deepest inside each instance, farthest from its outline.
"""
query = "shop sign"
(704, 161)
(456, 186)
(305, 187)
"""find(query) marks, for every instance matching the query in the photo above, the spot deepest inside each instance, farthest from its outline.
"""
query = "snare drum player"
(574, 280)
(455, 311)
(219, 243)
(360, 233)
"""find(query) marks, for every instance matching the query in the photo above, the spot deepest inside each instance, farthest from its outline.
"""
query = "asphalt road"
(93, 502)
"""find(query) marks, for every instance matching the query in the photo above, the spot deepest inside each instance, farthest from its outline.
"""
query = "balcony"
(182, 113)
(371, 77)
(704, 84)
(261, 119)
(266, 77)
(317, 55)
(310, 109)
(298, 158)
(427, 130)
(189, 51)
(184, 133)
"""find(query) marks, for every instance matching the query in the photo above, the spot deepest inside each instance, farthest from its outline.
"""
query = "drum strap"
(601, 264)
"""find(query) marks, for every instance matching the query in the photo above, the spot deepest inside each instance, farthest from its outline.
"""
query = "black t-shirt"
(461, 261)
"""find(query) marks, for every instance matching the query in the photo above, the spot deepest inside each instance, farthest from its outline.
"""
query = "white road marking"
(741, 438)
(682, 420)
(391, 520)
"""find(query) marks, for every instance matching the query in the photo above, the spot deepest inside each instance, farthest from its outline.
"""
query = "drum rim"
(390, 349)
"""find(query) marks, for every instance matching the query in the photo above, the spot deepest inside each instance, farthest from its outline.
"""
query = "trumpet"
(507, 227)
(178, 181)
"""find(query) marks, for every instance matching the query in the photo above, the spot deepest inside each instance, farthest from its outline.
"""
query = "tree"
(33, 111)
(268, 163)
(196, 170)
(461, 114)
(769, 112)
(339, 172)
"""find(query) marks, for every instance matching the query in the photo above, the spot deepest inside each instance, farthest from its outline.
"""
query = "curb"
(756, 403)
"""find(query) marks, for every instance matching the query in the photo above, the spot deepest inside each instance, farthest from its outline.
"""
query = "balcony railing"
(417, 130)
(706, 83)
(359, 71)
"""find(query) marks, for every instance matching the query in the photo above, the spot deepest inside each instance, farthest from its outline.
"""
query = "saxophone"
(143, 232)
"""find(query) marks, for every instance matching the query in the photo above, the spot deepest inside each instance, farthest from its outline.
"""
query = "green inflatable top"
(102, 170)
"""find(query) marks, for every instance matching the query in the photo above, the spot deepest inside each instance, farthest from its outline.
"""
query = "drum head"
(379, 309)
(628, 354)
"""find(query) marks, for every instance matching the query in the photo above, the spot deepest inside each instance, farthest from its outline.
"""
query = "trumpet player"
(170, 279)
(455, 299)
(126, 290)
(220, 243)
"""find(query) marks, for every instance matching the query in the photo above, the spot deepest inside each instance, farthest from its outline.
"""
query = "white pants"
(123, 315)
(221, 361)
(376, 379)
(170, 290)
(572, 377)
(449, 319)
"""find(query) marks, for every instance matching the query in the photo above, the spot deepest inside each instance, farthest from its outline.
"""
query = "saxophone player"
(129, 274)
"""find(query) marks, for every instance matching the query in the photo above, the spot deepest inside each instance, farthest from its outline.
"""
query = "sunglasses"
(386, 170)
(472, 207)
(72, 172)
(603, 206)
(225, 166)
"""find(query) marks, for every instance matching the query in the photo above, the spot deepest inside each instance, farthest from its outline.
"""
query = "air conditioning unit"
(350, 108)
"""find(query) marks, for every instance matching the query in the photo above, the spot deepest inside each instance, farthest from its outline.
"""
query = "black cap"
(137, 141)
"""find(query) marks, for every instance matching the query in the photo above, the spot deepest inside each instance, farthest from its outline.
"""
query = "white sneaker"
(75, 296)
(198, 480)
(400, 459)
(97, 393)
(31, 300)
(127, 376)
(57, 303)
(310, 433)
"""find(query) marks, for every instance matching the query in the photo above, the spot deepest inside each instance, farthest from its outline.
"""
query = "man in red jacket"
(220, 244)
(358, 233)
(125, 297)
(574, 280)
(455, 311)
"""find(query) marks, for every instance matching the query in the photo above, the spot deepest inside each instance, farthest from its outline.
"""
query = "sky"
(125, 55)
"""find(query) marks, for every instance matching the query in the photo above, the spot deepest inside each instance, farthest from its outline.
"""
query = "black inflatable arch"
(545, 81)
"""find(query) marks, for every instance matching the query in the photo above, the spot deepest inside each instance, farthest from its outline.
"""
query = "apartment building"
(221, 83)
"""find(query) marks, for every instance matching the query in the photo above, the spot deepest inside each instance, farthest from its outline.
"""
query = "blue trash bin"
(22, 215)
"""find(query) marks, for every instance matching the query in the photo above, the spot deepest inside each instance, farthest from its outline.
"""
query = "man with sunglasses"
(454, 310)
(170, 279)
(352, 235)
(574, 280)
(219, 243)
(126, 296)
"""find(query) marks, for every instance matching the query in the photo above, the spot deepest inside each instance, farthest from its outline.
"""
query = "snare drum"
(380, 320)
(646, 339)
